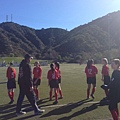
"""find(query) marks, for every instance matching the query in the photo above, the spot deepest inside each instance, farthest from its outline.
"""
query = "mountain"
(99, 38)
(53, 35)
(20, 40)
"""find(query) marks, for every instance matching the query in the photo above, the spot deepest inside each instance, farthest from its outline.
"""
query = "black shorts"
(106, 80)
(37, 83)
(11, 84)
(59, 80)
(91, 80)
(53, 84)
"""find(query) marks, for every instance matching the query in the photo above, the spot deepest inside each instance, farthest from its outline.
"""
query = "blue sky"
(66, 14)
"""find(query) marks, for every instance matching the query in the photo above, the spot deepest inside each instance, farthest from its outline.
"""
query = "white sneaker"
(39, 112)
(20, 113)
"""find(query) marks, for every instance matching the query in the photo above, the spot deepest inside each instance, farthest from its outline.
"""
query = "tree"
(11, 54)
(59, 58)
(37, 56)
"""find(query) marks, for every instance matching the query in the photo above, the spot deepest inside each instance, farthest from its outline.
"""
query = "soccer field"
(72, 107)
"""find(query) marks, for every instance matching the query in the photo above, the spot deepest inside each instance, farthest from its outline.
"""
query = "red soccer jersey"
(105, 70)
(92, 71)
(59, 72)
(52, 75)
(37, 72)
(11, 73)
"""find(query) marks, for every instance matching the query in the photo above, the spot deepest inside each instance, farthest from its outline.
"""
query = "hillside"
(99, 38)
(54, 35)
(19, 40)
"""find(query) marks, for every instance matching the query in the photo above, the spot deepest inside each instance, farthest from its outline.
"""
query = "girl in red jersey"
(37, 76)
(11, 84)
(57, 67)
(105, 73)
(91, 71)
(52, 77)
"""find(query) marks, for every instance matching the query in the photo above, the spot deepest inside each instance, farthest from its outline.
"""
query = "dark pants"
(30, 96)
(106, 80)
(113, 105)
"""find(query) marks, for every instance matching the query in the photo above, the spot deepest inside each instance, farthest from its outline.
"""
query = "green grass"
(18, 60)
(10, 59)
(74, 90)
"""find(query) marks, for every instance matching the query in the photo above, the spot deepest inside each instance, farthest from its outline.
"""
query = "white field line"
(93, 102)
(52, 106)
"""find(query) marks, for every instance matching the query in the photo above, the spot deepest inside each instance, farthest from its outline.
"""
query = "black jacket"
(114, 86)
(25, 74)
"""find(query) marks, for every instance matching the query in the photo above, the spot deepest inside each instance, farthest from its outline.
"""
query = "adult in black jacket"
(114, 89)
(26, 86)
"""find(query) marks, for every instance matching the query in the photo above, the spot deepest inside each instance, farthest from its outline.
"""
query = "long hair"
(57, 65)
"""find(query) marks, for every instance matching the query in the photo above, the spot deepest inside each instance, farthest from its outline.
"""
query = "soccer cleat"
(61, 97)
(56, 102)
(39, 112)
(53, 95)
(50, 99)
(11, 102)
(20, 113)
(88, 97)
(92, 96)
(105, 87)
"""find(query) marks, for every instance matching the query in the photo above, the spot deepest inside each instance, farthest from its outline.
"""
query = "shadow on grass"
(8, 116)
(42, 101)
(3, 82)
(83, 111)
(26, 117)
(7, 108)
(8, 111)
(65, 109)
